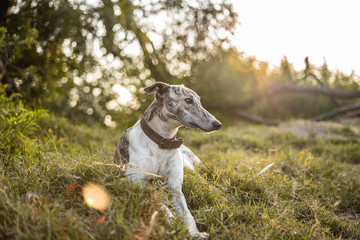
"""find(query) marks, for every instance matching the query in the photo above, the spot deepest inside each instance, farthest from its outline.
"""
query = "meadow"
(312, 190)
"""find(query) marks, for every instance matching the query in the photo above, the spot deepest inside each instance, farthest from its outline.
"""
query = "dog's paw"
(170, 219)
(200, 235)
(203, 235)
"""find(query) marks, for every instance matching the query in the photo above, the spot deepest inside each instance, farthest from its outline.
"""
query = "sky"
(323, 30)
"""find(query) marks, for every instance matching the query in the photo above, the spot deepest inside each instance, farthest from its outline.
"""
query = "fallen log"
(337, 111)
(354, 114)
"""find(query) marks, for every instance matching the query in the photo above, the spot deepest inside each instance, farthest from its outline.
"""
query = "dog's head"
(183, 105)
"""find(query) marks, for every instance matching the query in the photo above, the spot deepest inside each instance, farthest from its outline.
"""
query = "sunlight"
(321, 30)
(124, 94)
(96, 196)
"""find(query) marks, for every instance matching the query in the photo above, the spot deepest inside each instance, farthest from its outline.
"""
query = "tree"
(47, 48)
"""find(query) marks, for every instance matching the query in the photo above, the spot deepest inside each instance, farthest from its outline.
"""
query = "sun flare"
(96, 196)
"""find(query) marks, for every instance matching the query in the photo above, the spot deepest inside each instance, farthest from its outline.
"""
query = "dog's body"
(173, 107)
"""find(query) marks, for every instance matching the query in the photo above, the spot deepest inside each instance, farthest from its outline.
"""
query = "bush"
(18, 125)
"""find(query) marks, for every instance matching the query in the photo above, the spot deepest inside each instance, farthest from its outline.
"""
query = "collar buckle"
(170, 143)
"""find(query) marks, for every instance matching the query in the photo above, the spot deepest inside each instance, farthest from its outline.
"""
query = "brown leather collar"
(164, 143)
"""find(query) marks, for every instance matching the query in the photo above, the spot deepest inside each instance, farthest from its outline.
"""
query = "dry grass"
(311, 192)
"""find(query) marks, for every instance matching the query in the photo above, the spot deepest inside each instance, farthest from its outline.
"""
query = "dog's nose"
(217, 125)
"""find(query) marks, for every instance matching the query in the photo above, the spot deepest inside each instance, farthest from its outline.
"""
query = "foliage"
(17, 128)
(66, 56)
(46, 52)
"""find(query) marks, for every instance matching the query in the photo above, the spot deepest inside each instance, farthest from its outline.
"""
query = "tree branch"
(337, 111)
(153, 61)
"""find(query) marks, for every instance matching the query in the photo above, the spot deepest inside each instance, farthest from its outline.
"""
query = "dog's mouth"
(195, 126)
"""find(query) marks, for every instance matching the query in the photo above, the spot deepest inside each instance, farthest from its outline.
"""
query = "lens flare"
(96, 196)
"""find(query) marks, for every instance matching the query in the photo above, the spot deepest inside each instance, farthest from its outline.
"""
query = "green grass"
(311, 192)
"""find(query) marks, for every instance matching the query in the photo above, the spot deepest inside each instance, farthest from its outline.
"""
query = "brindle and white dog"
(173, 107)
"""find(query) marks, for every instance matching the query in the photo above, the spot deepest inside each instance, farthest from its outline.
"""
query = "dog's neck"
(159, 122)
(166, 129)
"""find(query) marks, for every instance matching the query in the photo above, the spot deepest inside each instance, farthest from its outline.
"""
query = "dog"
(150, 145)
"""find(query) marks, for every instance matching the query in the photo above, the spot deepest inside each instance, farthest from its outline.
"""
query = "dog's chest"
(147, 155)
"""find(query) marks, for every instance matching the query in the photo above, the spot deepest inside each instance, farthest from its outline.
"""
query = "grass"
(311, 192)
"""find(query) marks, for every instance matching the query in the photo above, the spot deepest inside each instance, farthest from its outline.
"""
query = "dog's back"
(122, 149)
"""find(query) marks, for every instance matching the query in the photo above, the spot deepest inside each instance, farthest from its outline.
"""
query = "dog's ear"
(160, 88)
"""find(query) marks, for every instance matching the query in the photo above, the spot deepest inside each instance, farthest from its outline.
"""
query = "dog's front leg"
(182, 208)
(136, 176)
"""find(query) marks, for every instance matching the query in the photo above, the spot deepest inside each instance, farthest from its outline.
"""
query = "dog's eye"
(189, 101)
